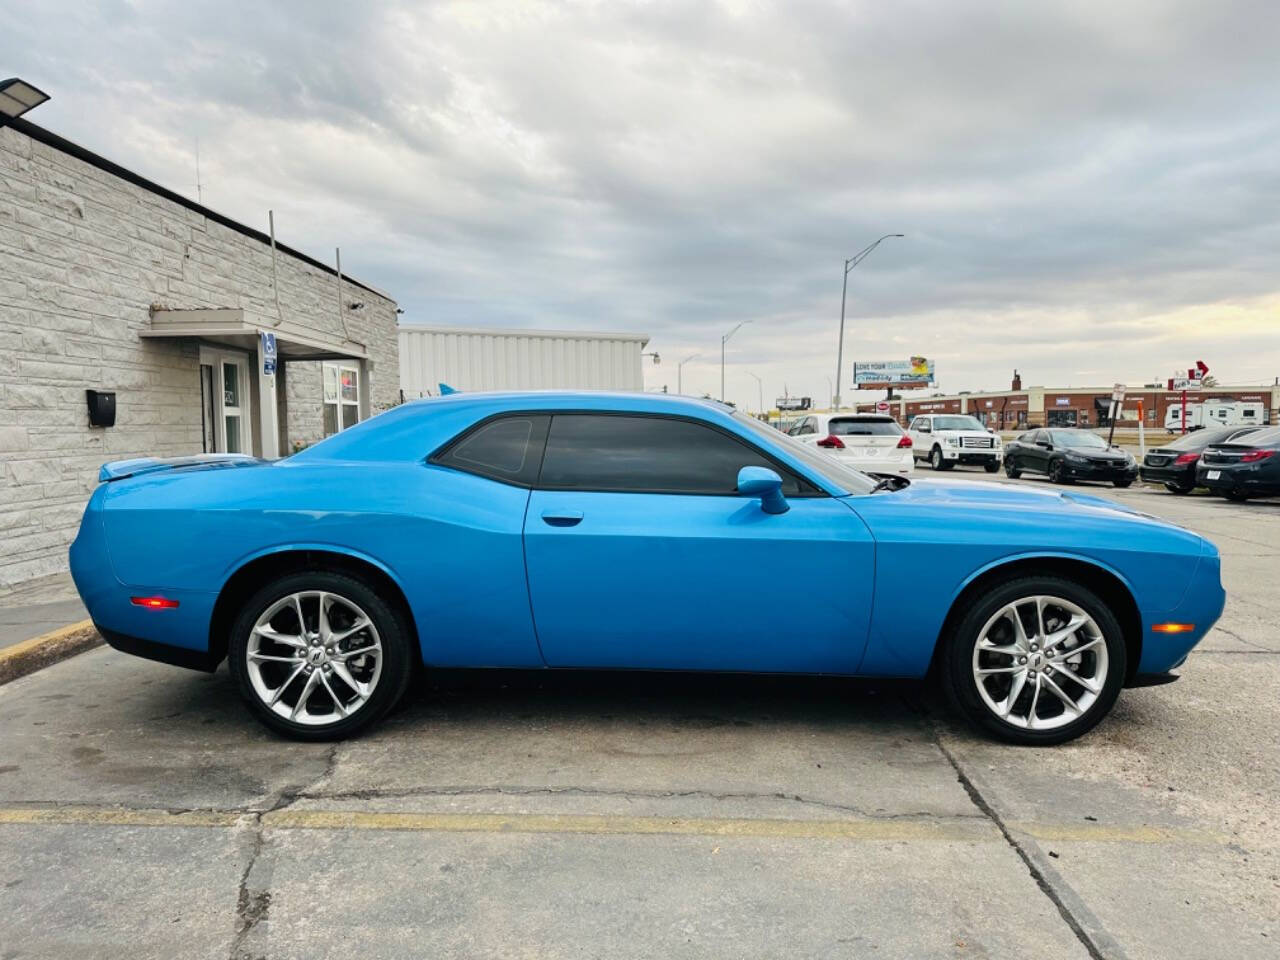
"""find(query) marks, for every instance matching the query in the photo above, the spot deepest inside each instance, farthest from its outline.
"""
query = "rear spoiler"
(119, 469)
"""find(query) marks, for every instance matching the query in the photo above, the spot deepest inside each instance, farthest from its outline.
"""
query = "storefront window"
(341, 397)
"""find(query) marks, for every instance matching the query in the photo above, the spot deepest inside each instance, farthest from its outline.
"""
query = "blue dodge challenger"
(629, 531)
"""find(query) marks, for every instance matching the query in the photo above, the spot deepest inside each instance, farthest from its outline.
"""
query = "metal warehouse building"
(467, 358)
(113, 284)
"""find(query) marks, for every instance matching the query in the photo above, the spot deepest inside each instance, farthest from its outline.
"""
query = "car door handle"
(562, 518)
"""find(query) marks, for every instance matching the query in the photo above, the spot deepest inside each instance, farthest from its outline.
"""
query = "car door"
(921, 434)
(641, 553)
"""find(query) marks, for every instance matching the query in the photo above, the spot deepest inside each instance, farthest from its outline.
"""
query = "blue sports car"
(630, 531)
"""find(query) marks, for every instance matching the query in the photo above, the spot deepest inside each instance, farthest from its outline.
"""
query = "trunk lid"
(121, 469)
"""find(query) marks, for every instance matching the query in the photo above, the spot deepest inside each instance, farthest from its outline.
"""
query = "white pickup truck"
(945, 439)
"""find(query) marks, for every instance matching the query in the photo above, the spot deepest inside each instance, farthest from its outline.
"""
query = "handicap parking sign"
(268, 353)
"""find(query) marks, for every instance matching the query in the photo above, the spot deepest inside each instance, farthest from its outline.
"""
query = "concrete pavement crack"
(252, 905)
(1088, 929)
(1235, 636)
(517, 791)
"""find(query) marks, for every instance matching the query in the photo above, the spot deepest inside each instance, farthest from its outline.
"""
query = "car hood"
(979, 494)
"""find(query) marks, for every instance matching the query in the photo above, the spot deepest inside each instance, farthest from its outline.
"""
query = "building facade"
(1021, 408)
(111, 283)
(467, 358)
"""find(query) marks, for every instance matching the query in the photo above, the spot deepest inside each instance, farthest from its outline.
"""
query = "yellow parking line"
(600, 824)
(117, 817)
(53, 636)
(607, 824)
(889, 829)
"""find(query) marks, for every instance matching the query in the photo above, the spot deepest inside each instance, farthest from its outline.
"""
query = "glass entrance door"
(227, 413)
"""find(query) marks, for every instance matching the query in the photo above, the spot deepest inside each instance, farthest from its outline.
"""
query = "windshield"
(851, 427)
(854, 481)
(1199, 439)
(958, 423)
(1078, 440)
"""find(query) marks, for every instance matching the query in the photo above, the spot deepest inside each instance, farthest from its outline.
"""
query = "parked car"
(1245, 467)
(1174, 464)
(870, 442)
(947, 439)
(629, 531)
(1067, 455)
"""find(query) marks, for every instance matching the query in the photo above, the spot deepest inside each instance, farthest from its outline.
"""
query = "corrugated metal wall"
(517, 360)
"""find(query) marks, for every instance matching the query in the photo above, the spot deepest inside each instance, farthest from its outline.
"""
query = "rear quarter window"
(864, 428)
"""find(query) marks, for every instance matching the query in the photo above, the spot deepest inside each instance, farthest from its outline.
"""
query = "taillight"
(1253, 456)
(1187, 458)
(904, 442)
(831, 443)
(154, 603)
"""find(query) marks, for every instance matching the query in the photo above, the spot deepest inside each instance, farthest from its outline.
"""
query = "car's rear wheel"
(1122, 483)
(1038, 660)
(1179, 488)
(320, 656)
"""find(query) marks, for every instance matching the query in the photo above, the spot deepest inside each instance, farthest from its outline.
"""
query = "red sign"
(882, 406)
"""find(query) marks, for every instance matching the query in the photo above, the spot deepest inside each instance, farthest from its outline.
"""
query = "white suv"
(872, 443)
(945, 439)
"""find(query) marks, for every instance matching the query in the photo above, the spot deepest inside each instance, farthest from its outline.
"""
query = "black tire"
(991, 467)
(393, 631)
(1122, 483)
(1010, 471)
(1055, 473)
(956, 658)
(936, 461)
(1179, 488)
(1235, 496)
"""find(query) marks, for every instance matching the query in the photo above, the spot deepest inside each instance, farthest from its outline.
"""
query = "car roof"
(867, 417)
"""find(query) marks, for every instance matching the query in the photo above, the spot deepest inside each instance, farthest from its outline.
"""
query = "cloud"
(1075, 181)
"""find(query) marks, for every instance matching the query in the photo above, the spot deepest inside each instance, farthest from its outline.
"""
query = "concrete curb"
(48, 648)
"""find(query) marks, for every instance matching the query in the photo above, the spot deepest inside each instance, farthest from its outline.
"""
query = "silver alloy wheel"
(314, 657)
(1040, 662)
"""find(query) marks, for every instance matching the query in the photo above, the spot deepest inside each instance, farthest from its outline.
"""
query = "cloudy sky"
(1090, 192)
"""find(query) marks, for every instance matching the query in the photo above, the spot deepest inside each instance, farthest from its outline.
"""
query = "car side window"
(508, 449)
(809, 426)
(637, 454)
(922, 425)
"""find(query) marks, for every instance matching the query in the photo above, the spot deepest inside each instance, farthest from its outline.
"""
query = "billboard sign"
(1179, 384)
(794, 403)
(915, 372)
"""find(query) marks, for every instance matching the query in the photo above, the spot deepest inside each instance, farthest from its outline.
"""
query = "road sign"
(1117, 393)
(268, 353)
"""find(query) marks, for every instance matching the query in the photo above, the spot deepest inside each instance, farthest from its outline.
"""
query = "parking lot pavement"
(38, 606)
(143, 813)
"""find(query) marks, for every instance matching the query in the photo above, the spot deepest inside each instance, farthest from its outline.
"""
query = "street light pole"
(723, 341)
(759, 389)
(680, 370)
(849, 264)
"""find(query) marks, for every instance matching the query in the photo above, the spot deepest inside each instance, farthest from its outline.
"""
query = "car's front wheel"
(1037, 660)
(1179, 488)
(1056, 472)
(1010, 470)
(320, 656)
(936, 459)
(991, 466)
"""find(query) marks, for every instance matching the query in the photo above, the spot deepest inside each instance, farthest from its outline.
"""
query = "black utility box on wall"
(102, 407)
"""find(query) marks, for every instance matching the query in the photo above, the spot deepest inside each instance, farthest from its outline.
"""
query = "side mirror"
(767, 485)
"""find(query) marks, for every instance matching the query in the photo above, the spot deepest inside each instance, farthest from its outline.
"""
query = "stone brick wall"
(84, 255)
